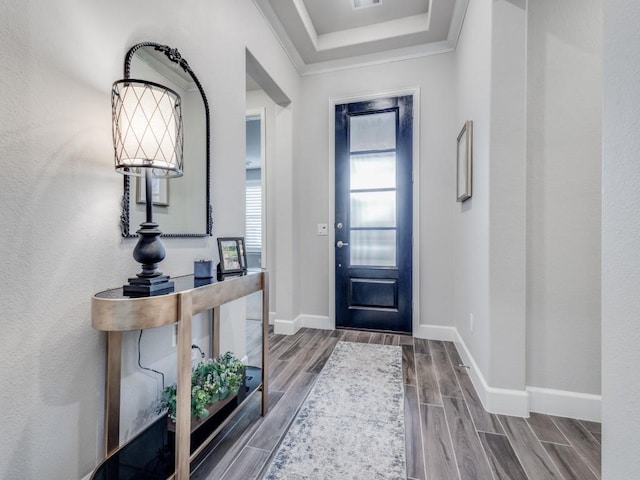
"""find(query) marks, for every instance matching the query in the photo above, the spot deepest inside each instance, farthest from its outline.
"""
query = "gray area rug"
(351, 426)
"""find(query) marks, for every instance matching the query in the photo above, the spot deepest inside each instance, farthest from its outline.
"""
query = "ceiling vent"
(357, 4)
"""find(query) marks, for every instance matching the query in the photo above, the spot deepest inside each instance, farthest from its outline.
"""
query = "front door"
(373, 217)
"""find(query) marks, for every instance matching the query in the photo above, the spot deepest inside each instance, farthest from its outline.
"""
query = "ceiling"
(325, 35)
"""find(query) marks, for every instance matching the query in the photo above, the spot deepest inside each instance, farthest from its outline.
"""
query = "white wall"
(564, 142)
(286, 237)
(437, 176)
(528, 251)
(471, 261)
(60, 240)
(507, 196)
(620, 234)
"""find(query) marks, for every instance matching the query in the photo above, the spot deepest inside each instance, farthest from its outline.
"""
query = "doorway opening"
(254, 201)
(266, 100)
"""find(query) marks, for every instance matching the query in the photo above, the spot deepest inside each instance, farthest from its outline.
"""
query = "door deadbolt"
(339, 226)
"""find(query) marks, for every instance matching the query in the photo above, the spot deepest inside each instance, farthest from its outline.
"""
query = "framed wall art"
(465, 162)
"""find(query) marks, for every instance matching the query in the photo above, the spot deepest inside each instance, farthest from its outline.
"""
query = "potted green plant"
(214, 383)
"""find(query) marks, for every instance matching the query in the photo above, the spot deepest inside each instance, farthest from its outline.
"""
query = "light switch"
(322, 229)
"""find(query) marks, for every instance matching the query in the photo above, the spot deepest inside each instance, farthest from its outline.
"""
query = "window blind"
(253, 228)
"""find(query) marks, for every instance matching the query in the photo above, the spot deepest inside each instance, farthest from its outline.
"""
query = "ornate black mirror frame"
(173, 55)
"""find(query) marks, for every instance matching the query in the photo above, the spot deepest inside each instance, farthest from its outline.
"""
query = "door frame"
(415, 165)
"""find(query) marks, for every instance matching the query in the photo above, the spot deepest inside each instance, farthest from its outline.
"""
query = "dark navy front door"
(373, 229)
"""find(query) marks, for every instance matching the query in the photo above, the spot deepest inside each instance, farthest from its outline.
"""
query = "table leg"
(265, 342)
(112, 392)
(183, 394)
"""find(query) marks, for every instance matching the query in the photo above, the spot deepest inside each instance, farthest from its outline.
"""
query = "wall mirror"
(182, 206)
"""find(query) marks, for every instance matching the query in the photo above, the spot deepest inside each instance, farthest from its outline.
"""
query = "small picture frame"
(159, 191)
(465, 162)
(233, 256)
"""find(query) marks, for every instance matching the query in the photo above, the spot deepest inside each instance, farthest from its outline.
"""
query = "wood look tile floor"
(449, 435)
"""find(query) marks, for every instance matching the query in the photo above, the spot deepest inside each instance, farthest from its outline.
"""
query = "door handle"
(341, 244)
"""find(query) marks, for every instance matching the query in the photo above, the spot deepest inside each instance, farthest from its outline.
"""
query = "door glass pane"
(376, 131)
(373, 170)
(373, 248)
(373, 209)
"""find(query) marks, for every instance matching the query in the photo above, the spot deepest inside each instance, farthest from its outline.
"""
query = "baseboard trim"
(435, 332)
(287, 327)
(272, 318)
(562, 403)
(495, 400)
(316, 321)
(504, 401)
(517, 402)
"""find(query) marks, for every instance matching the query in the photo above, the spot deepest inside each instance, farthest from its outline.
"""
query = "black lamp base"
(146, 287)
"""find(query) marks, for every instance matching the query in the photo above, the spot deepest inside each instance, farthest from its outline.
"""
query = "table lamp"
(148, 142)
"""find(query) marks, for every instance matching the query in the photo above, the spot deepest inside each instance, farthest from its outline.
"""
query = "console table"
(114, 313)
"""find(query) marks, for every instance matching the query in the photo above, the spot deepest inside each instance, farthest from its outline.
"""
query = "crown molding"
(274, 23)
(387, 56)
